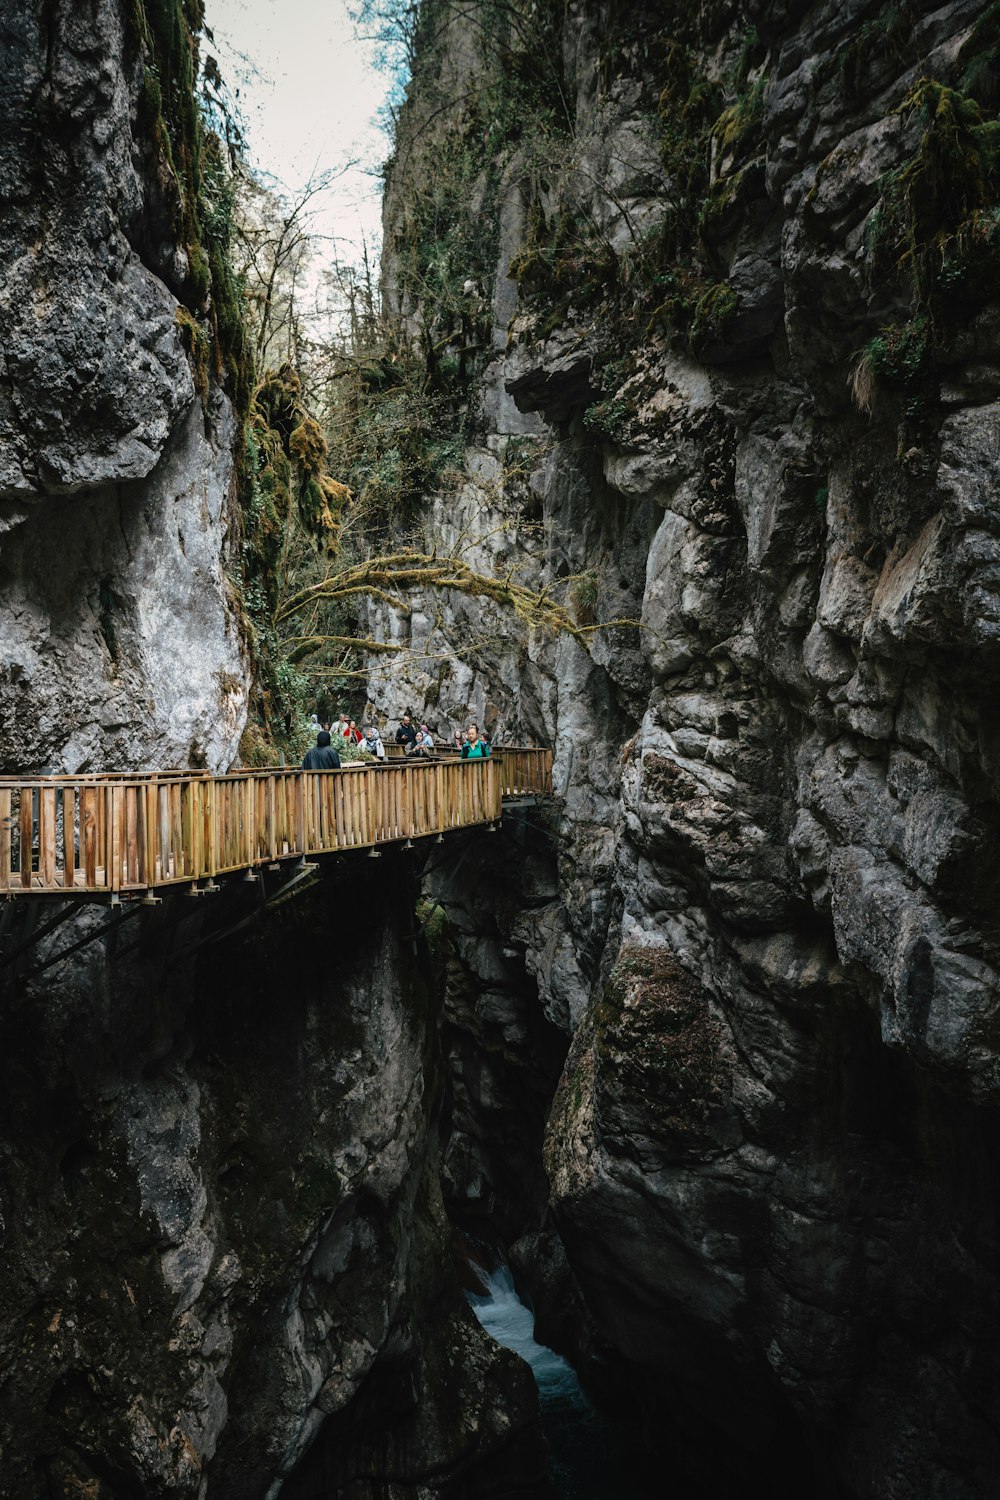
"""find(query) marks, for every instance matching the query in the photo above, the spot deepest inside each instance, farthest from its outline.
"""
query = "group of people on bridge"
(417, 742)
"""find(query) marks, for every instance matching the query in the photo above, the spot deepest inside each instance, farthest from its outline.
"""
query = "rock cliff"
(222, 1226)
(707, 291)
(121, 640)
(220, 1221)
(725, 279)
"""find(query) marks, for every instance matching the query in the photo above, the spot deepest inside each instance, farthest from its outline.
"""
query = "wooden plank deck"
(124, 834)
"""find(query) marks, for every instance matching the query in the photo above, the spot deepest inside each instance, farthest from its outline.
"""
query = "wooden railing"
(526, 770)
(125, 833)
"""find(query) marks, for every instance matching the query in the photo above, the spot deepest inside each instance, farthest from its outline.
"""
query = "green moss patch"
(194, 182)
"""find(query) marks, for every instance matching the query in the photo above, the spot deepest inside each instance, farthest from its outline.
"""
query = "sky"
(309, 94)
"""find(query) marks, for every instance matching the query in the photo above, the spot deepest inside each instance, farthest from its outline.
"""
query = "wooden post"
(269, 813)
(281, 814)
(88, 834)
(25, 839)
(362, 802)
(373, 779)
(248, 802)
(113, 871)
(177, 825)
(214, 848)
(330, 791)
(150, 823)
(434, 798)
(163, 812)
(132, 834)
(300, 812)
(102, 807)
(69, 837)
(5, 818)
(191, 833)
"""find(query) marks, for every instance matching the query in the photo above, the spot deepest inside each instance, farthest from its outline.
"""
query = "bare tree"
(277, 238)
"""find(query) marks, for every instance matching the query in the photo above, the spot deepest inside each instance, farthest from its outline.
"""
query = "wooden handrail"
(394, 751)
(127, 833)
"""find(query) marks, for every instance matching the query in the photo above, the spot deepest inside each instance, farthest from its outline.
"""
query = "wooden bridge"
(124, 835)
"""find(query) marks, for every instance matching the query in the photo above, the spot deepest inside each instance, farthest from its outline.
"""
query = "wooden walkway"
(121, 834)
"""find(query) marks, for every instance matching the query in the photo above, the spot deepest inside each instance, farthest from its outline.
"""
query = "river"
(589, 1457)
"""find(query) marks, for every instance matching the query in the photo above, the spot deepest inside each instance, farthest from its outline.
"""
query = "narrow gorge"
(688, 353)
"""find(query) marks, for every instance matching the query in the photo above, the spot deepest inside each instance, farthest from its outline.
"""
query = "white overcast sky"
(311, 103)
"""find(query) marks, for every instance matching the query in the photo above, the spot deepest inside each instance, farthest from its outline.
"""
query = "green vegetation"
(453, 154)
(713, 315)
(583, 593)
(432, 921)
(291, 468)
(393, 437)
(901, 353)
(664, 278)
(889, 35)
(979, 59)
(289, 499)
(934, 237)
(610, 418)
(937, 227)
(196, 187)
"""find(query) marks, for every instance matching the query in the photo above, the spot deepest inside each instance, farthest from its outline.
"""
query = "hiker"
(406, 735)
(474, 748)
(371, 741)
(424, 743)
(322, 756)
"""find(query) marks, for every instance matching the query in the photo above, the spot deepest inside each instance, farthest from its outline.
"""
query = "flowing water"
(589, 1459)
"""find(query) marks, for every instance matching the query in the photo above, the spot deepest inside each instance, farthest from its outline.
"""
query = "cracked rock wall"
(774, 940)
(221, 1222)
(120, 642)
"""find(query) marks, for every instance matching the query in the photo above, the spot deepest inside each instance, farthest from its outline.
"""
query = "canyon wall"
(222, 1227)
(220, 1221)
(121, 642)
(706, 290)
(722, 336)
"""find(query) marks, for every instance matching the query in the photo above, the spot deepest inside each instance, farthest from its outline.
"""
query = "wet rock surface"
(120, 635)
(222, 1224)
(753, 955)
(226, 1266)
(773, 941)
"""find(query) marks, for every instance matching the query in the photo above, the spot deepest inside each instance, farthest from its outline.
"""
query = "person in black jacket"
(322, 757)
(406, 735)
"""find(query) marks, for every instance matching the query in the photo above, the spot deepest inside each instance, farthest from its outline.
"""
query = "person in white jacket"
(371, 741)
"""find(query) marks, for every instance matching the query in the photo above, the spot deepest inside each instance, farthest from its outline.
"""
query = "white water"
(506, 1319)
(587, 1459)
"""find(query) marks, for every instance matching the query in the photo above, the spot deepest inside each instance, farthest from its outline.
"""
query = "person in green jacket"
(474, 748)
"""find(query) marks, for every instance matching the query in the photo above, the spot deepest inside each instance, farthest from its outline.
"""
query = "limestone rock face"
(222, 1225)
(773, 940)
(226, 1265)
(120, 641)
